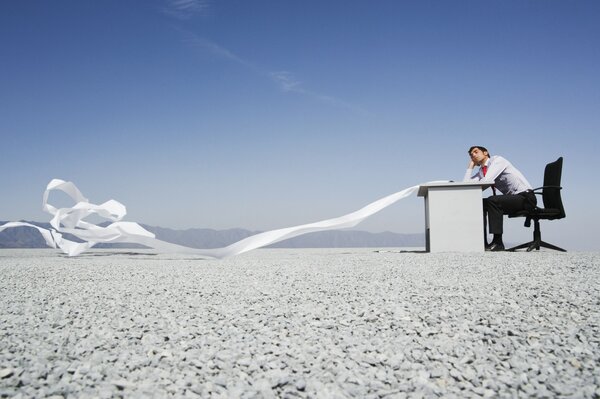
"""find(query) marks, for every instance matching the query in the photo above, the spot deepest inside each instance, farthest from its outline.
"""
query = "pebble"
(7, 372)
(299, 324)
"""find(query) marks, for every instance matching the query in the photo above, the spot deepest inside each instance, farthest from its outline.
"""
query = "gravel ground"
(332, 323)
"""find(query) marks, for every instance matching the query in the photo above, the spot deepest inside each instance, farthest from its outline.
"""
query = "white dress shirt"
(506, 178)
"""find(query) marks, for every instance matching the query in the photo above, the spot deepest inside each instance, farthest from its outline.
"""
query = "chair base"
(530, 246)
(537, 241)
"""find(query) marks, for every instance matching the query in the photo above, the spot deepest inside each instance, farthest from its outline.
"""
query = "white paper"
(71, 220)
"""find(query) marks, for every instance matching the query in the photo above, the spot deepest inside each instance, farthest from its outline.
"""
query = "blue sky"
(267, 114)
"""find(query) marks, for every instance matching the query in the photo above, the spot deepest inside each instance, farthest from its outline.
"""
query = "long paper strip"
(71, 221)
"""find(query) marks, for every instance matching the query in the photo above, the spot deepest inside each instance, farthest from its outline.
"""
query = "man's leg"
(498, 205)
(485, 228)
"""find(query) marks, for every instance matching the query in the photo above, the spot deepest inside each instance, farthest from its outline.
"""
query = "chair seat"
(539, 213)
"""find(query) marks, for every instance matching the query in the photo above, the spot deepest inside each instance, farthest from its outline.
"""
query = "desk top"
(451, 185)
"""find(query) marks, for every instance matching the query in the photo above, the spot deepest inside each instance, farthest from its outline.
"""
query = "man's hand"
(471, 165)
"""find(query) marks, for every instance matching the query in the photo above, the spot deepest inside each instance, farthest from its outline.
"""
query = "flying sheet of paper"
(71, 221)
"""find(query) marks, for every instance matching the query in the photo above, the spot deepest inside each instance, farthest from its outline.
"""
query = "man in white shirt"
(516, 190)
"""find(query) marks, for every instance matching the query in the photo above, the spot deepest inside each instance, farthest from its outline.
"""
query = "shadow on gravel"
(420, 251)
(94, 254)
(130, 255)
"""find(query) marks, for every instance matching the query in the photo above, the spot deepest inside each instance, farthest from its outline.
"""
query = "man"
(516, 190)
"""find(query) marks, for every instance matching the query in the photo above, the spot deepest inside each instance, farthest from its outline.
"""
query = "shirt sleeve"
(470, 177)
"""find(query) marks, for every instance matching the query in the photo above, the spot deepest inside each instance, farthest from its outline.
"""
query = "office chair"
(553, 207)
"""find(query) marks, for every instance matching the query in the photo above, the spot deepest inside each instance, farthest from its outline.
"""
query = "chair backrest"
(551, 191)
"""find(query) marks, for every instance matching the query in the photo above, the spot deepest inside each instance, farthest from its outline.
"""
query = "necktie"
(484, 169)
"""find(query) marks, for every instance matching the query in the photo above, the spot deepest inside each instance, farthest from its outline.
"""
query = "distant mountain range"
(27, 237)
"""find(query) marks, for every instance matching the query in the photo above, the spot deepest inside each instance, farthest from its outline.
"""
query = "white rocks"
(299, 324)
(6, 372)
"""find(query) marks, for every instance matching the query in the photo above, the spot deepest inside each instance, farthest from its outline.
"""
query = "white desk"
(453, 216)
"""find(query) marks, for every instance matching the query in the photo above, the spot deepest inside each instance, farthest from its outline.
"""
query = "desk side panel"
(455, 218)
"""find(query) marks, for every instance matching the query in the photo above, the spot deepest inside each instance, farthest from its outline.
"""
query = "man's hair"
(482, 149)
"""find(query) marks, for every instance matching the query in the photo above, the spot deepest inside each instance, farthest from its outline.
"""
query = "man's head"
(479, 155)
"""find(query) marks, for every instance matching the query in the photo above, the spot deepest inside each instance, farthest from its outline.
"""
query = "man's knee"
(490, 203)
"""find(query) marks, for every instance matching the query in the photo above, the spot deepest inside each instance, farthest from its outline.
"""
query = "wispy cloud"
(285, 80)
(288, 83)
(213, 48)
(185, 9)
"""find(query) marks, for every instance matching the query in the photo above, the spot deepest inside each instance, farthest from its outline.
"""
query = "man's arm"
(469, 173)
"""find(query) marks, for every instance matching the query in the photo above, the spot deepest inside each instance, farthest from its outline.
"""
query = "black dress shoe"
(495, 247)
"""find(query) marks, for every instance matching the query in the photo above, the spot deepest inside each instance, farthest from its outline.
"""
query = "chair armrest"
(543, 187)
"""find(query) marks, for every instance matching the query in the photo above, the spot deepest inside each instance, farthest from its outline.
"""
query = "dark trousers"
(498, 205)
